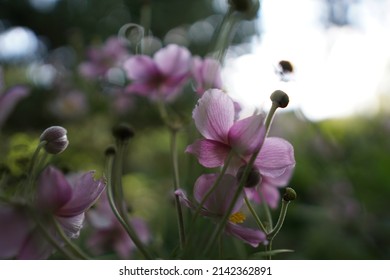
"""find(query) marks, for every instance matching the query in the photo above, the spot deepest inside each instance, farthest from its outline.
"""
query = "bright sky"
(337, 70)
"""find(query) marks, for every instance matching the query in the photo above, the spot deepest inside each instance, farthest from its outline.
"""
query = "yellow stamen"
(237, 218)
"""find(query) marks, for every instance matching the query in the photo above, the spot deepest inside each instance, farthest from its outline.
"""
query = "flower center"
(237, 218)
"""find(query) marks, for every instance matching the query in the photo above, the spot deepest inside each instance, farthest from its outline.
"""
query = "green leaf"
(269, 253)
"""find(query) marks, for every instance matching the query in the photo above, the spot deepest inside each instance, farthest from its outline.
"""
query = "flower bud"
(248, 8)
(55, 138)
(289, 194)
(280, 98)
(110, 151)
(253, 179)
(123, 132)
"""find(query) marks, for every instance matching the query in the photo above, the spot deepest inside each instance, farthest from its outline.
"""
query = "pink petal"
(214, 115)
(219, 200)
(71, 225)
(206, 73)
(15, 227)
(265, 192)
(251, 236)
(140, 67)
(276, 155)
(86, 191)
(209, 153)
(173, 60)
(54, 190)
(36, 247)
(281, 180)
(247, 135)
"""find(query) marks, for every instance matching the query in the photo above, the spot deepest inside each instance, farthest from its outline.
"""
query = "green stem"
(270, 117)
(130, 231)
(75, 249)
(207, 195)
(271, 235)
(221, 225)
(254, 214)
(117, 187)
(32, 172)
(225, 34)
(50, 238)
(176, 184)
(279, 223)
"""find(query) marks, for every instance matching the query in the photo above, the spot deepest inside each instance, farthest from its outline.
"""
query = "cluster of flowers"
(50, 208)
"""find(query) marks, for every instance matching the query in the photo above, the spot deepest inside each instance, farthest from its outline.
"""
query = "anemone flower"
(160, 77)
(102, 58)
(66, 199)
(109, 234)
(214, 118)
(206, 73)
(217, 204)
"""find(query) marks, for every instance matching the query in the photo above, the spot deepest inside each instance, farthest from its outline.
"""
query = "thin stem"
(207, 195)
(75, 249)
(271, 235)
(254, 214)
(270, 117)
(279, 223)
(32, 172)
(268, 216)
(130, 231)
(176, 184)
(221, 225)
(50, 238)
(117, 179)
(211, 190)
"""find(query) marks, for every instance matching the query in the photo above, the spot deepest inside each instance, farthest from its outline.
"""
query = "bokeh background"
(338, 119)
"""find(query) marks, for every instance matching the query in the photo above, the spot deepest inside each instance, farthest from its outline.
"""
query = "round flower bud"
(110, 151)
(253, 179)
(123, 132)
(248, 8)
(55, 138)
(289, 194)
(280, 98)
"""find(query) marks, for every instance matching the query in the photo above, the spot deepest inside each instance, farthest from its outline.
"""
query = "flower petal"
(214, 115)
(86, 191)
(219, 200)
(276, 155)
(15, 228)
(251, 236)
(71, 225)
(265, 192)
(36, 247)
(54, 190)
(173, 60)
(206, 73)
(209, 153)
(140, 68)
(247, 135)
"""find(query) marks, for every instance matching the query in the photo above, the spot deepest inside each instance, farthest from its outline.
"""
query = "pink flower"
(206, 73)
(101, 58)
(214, 119)
(109, 233)
(67, 199)
(160, 77)
(217, 204)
